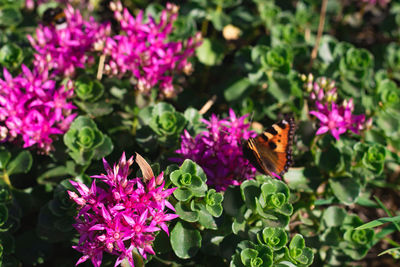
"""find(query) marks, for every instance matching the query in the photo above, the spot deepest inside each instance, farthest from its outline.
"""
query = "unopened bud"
(310, 77)
(3, 133)
(188, 68)
(323, 82)
(231, 32)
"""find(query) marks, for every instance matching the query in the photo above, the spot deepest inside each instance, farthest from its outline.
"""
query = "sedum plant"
(85, 141)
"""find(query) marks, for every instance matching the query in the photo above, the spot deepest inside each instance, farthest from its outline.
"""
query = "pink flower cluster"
(338, 119)
(67, 48)
(322, 89)
(31, 106)
(333, 118)
(142, 49)
(219, 150)
(120, 215)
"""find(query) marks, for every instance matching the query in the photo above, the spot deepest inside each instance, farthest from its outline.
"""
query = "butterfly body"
(270, 152)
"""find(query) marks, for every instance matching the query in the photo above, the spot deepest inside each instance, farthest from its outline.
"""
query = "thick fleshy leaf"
(346, 189)
(185, 240)
(21, 163)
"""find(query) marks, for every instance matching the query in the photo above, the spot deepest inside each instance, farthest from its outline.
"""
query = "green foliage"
(268, 201)
(85, 141)
(312, 217)
(356, 65)
(340, 232)
(277, 59)
(372, 157)
(11, 56)
(271, 250)
(163, 123)
(88, 89)
(190, 180)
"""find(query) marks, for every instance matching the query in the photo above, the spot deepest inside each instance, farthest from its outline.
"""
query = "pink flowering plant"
(218, 150)
(142, 49)
(33, 109)
(122, 217)
(67, 48)
(186, 85)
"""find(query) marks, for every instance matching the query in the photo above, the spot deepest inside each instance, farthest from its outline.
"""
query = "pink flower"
(31, 106)
(120, 215)
(219, 150)
(65, 49)
(330, 120)
(142, 49)
(337, 120)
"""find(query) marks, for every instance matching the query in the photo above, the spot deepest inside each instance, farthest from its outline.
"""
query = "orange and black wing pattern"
(271, 151)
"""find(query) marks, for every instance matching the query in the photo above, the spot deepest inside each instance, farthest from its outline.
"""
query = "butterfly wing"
(270, 152)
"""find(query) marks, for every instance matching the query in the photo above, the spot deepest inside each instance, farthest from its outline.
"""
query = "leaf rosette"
(190, 180)
(85, 141)
(356, 242)
(213, 202)
(275, 238)
(278, 59)
(88, 90)
(356, 64)
(167, 123)
(298, 253)
(372, 156)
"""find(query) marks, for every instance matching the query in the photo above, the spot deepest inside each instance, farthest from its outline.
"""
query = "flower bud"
(231, 32)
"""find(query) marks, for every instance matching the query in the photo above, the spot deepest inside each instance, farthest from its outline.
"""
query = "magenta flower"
(67, 48)
(330, 120)
(142, 49)
(32, 107)
(120, 215)
(337, 120)
(219, 150)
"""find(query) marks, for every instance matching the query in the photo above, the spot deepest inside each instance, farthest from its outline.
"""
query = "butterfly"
(271, 152)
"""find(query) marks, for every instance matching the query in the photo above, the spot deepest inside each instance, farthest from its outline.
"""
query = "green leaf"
(96, 109)
(185, 240)
(104, 149)
(5, 157)
(186, 213)
(237, 89)
(219, 19)
(232, 201)
(206, 219)
(3, 214)
(11, 55)
(379, 222)
(334, 216)
(250, 191)
(10, 16)
(183, 194)
(346, 189)
(211, 52)
(22, 163)
(395, 252)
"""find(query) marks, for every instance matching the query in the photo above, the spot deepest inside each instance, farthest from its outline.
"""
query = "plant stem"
(320, 30)
(6, 178)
